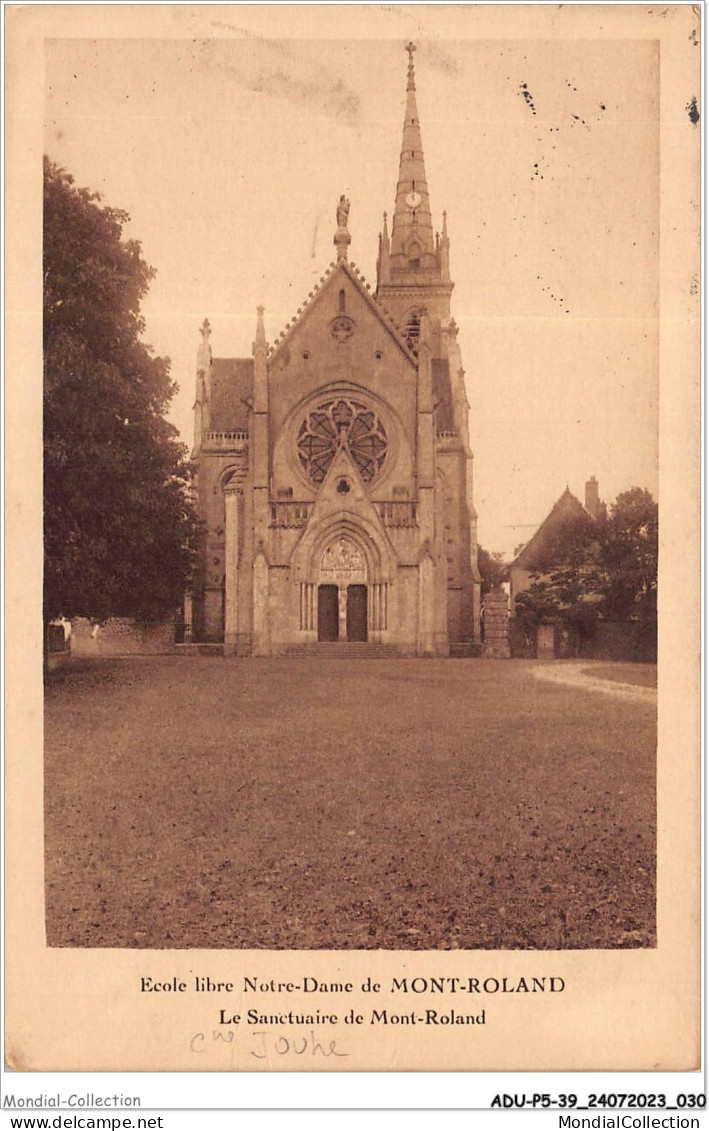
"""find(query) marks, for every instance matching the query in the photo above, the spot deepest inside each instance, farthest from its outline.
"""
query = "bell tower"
(412, 266)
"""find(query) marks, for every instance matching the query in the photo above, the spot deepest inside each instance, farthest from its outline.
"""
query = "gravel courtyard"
(393, 804)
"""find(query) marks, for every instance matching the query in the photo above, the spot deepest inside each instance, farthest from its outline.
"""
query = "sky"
(230, 153)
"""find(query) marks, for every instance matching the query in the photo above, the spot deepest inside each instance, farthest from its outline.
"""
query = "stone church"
(334, 470)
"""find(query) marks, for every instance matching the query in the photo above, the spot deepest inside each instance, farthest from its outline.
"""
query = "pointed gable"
(566, 509)
(329, 281)
(343, 491)
(343, 507)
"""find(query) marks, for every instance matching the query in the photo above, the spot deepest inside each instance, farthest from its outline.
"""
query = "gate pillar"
(496, 625)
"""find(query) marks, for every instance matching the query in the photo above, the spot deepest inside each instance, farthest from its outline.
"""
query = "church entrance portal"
(328, 612)
(342, 594)
(333, 601)
(357, 612)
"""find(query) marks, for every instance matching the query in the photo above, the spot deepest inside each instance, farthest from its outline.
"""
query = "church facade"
(334, 471)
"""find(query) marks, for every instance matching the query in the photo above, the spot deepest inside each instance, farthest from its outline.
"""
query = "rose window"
(336, 422)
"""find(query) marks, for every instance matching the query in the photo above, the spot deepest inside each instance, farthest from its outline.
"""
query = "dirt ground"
(640, 675)
(621, 680)
(403, 804)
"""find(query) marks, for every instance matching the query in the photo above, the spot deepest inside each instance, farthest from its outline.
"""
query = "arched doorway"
(328, 613)
(342, 592)
(356, 620)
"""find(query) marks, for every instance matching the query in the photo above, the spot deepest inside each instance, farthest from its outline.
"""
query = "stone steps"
(464, 649)
(344, 650)
(199, 649)
(330, 650)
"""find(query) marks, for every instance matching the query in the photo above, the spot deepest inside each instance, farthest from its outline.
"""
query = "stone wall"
(121, 636)
(628, 641)
(58, 646)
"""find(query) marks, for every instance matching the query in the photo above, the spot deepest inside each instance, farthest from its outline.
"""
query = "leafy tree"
(629, 558)
(565, 575)
(493, 570)
(586, 569)
(119, 528)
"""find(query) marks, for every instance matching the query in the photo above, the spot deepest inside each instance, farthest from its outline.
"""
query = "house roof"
(565, 508)
(232, 382)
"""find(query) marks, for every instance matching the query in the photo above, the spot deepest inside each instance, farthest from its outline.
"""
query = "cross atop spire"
(411, 84)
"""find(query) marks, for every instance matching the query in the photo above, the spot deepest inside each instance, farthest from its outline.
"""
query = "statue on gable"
(343, 211)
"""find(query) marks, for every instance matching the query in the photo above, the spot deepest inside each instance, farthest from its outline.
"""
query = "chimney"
(593, 504)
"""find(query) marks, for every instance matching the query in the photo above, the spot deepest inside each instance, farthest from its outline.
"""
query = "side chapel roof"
(232, 382)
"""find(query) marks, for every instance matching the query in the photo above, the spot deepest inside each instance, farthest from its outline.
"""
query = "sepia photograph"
(353, 503)
(339, 680)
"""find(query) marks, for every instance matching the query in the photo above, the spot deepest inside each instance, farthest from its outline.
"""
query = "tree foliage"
(586, 570)
(119, 528)
(565, 575)
(629, 557)
(493, 570)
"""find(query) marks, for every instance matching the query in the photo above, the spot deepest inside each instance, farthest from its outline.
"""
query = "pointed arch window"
(413, 252)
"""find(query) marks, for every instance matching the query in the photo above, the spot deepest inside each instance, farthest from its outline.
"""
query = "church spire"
(412, 230)
(413, 266)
